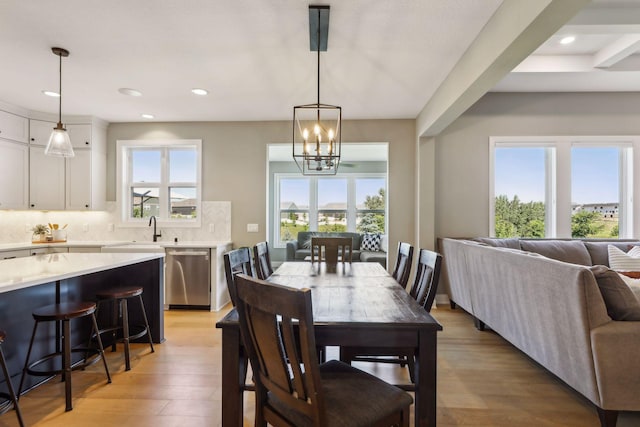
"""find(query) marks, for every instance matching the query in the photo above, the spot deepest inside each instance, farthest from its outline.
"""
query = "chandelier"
(317, 127)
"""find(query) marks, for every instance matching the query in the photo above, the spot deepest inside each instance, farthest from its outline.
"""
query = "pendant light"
(317, 127)
(59, 144)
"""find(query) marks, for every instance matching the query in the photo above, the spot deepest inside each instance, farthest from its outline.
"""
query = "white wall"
(461, 159)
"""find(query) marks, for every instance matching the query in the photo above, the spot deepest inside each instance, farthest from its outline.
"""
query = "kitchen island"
(32, 282)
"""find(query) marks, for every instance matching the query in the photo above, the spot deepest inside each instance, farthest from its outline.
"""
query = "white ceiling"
(604, 57)
(385, 59)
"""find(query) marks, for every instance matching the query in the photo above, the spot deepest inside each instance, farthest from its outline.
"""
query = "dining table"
(354, 304)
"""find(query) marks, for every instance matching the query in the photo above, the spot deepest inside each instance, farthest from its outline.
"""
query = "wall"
(235, 165)
(462, 151)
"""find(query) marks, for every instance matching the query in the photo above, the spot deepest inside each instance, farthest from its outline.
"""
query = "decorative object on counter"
(59, 144)
(40, 233)
(58, 234)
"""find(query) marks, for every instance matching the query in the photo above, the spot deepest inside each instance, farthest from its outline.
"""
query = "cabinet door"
(80, 135)
(14, 175)
(40, 131)
(46, 180)
(78, 178)
(14, 127)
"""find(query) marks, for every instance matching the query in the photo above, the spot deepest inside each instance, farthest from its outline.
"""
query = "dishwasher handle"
(188, 253)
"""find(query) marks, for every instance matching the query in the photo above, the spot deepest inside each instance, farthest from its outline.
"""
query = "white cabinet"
(14, 174)
(14, 127)
(20, 253)
(40, 131)
(46, 180)
(48, 250)
(75, 183)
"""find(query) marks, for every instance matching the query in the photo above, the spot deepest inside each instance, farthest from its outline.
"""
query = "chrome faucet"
(155, 235)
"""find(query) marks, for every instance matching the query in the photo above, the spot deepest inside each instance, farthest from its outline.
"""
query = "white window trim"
(313, 202)
(558, 182)
(122, 162)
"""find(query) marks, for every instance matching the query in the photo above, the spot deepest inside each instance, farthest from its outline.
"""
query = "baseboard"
(442, 299)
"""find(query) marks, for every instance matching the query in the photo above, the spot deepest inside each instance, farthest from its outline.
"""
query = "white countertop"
(97, 243)
(20, 273)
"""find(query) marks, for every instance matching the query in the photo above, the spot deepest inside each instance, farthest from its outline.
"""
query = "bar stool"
(120, 318)
(12, 401)
(63, 313)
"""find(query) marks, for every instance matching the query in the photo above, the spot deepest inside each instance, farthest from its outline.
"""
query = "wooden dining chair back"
(235, 262)
(425, 284)
(262, 260)
(335, 249)
(292, 388)
(403, 264)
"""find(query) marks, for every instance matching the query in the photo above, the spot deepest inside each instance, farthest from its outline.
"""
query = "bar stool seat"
(11, 402)
(63, 313)
(120, 319)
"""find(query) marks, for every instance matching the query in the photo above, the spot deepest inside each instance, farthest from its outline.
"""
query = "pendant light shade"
(317, 127)
(59, 144)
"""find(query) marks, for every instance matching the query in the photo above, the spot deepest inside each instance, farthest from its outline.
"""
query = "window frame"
(558, 178)
(124, 149)
(313, 212)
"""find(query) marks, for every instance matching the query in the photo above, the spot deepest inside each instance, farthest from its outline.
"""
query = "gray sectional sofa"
(542, 297)
(298, 250)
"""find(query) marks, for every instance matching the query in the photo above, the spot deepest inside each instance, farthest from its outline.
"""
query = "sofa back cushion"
(621, 302)
(570, 251)
(599, 253)
(512, 243)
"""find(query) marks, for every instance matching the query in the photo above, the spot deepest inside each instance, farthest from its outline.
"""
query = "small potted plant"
(39, 233)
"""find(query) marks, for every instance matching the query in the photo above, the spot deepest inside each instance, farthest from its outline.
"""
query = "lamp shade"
(59, 144)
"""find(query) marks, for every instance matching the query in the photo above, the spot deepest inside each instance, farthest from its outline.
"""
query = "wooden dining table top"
(358, 293)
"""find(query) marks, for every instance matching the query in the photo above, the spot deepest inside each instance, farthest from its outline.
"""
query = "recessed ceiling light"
(147, 116)
(201, 92)
(51, 93)
(568, 40)
(130, 92)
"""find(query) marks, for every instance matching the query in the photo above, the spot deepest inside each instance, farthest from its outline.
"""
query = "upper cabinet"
(14, 166)
(76, 183)
(14, 127)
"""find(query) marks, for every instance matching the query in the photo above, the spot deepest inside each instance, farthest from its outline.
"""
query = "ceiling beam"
(617, 51)
(516, 29)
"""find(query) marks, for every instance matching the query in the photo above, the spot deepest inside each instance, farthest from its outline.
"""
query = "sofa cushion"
(371, 242)
(619, 260)
(379, 257)
(573, 252)
(621, 302)
(599, 250)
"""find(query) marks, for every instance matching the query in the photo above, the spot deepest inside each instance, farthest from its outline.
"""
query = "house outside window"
(161, 179)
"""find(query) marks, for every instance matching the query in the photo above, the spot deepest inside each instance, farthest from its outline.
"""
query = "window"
(561, 187)
(522, 190)
(159, 178)
(354, 202)
(597, 177)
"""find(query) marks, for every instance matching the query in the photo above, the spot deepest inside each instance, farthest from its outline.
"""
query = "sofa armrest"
(292, 247)
(615, 354)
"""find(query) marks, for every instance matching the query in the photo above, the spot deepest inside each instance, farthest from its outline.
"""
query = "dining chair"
(403, 264)
(423, 290)
(335, 248)
(236, 261)
(292, 388)
(262, 260)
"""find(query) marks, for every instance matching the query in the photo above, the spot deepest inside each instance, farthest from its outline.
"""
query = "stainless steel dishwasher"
(188, 278)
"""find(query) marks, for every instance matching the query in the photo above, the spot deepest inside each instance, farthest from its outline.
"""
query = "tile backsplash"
(15, 226)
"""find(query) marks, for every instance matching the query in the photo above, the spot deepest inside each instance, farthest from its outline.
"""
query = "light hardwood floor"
(482, 381)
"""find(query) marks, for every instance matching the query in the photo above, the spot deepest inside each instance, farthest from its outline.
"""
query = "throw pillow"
(371, 242)
(619, 299)
(619, 260)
